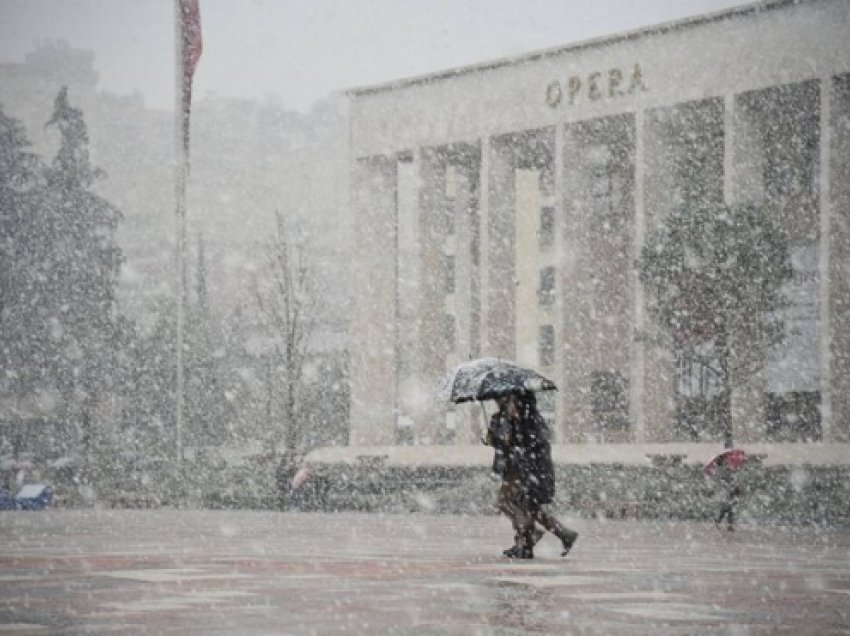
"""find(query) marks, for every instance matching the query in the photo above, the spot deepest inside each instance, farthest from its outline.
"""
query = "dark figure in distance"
(523, 459)
(731, 491)
(286, 469)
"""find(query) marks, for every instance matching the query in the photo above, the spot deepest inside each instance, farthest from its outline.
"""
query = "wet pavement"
(225, 572)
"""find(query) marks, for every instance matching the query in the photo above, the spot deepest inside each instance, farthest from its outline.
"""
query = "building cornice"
(599, 42)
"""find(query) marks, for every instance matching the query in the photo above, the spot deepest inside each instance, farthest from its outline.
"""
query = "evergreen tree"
(23, 336)
(82, 272)
(148, 417)
(713, 276)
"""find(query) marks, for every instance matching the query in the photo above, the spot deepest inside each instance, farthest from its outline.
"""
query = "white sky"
(301, 50)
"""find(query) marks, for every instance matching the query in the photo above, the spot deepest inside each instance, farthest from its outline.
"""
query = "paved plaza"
(235, 572)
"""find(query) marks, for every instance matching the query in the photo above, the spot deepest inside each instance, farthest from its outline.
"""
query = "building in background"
(500, 209)
(248, 161)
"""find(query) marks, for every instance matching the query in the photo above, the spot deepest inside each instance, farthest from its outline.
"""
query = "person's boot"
(519, 552)
(529, 538)
(515, 550)
(567, 541)
(524, 545)
(568, 538)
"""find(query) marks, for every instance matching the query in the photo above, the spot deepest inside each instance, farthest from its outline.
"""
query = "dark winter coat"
(522, 449)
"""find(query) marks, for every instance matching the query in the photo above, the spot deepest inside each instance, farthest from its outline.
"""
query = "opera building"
(500, 210)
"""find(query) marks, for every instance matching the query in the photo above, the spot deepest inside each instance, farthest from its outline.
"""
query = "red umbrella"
(299, 478)
(732, 458)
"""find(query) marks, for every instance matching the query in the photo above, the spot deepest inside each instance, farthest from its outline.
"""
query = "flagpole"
(180, 178)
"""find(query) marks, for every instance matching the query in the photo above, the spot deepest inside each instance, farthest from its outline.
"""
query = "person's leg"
(529, 535)
(568, 537)
(726, 512)
(511, 506)
(505, 506)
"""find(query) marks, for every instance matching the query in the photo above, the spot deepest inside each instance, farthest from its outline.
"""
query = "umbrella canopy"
(299, 478)
(491, 378)
(732, 458)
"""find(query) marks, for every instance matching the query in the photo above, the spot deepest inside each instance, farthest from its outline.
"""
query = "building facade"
(500, 210)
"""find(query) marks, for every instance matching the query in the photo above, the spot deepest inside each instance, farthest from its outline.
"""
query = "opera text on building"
(501, 209)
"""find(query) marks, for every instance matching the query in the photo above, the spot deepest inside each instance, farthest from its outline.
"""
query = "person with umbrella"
(520, 436)
(523, 459)
(723, 467)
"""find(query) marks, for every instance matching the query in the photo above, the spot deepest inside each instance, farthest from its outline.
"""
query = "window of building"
(451, 197)
(600, 182)
(450, 273)
(546, 290)
(698, 373)
(449, 218)
(451, 181)
(794, 416)
(451, 332)
(404, 431)
(547, 406)
(546, 345)
(609, 400)
(547, 179)
(546, 233)
(448, 435)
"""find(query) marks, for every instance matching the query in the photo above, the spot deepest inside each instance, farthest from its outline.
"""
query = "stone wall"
(804, 494)
(667, 488)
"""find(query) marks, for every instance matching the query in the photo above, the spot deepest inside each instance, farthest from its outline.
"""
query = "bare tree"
(285, 296)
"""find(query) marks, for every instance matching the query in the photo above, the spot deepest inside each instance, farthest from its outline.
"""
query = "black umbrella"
(491, 378)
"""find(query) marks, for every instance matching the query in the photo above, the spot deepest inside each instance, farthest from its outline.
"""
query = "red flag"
(191, 46)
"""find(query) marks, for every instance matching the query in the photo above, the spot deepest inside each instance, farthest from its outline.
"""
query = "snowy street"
(226, 572)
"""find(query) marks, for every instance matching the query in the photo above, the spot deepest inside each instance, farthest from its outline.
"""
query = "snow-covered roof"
(524, 58)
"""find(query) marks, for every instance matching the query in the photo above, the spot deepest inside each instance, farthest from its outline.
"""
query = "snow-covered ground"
(230, 572)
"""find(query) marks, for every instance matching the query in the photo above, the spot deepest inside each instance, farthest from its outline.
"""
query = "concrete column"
(433, 348)
(561, 360)
(501, 271)
(527, 214)
(658, 364)
(730, 189)
(372, 331)
(577, 338)
(413, 393)
(741, 178)
(636, 357)
(484, 233)
(462, 295)
(824, 235)
(743, 158)
(463, 264)
(838, 242)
